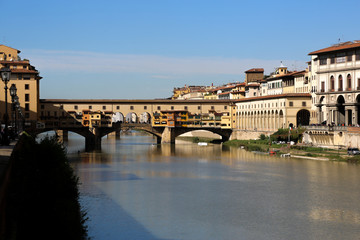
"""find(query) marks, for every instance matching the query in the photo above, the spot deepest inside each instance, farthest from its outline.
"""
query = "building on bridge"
(26, 78)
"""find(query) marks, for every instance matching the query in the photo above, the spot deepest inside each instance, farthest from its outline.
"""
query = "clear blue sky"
(141, 49)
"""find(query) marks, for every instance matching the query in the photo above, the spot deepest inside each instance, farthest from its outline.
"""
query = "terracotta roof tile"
(337, 47)
(274, 96)
(255, 70)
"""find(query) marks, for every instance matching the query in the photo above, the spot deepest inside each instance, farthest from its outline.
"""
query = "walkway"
(5, 152)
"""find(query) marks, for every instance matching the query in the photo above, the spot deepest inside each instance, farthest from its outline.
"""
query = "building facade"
(26, 78)
(337, 73)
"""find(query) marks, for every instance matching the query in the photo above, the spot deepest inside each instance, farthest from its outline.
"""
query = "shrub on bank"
(43, 199)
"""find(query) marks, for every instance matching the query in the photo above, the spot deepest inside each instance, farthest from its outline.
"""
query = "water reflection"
(185, 191)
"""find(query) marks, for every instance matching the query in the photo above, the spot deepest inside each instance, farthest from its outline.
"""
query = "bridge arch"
(145, 117)
(131, 117)
(117, 117)
(224, 133)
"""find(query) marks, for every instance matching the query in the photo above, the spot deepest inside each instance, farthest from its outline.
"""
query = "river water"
(136, 190)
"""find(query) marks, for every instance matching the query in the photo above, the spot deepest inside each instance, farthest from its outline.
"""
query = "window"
(225, 107)
(332, 60)
(145, 107)
(323, 61)
(349, 57)
(27, 115)
(172, 107)
(42, 106)
(75, 107)
(357, 55)
(90, 107)
(340, 58)
(131, 107)
(304, 104)
(55, 113)
(340, 83)
(27, 107)
(199, 108)
(212, 107)
(27, 97)
(291, 104)
(104, 107)
(332, 83)
(117, 107)
(19, 76)
(27, 86)
(348, 82)
(158, 108)
(186, 108)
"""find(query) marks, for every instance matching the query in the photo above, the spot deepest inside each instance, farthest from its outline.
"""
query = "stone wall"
(335, 139)
(248, 134)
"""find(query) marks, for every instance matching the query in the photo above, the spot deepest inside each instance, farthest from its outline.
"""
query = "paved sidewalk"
(5, 153)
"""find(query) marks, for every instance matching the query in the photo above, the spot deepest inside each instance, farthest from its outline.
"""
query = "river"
(134, 189)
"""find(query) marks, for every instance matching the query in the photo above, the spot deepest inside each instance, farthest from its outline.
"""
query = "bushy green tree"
(43, 193)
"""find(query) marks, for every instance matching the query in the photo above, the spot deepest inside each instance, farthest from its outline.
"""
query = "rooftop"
(255, 70)
(338, 47)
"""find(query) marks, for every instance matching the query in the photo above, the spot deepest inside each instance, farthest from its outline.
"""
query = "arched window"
(332, 83)
(348, 82)
(340, 83)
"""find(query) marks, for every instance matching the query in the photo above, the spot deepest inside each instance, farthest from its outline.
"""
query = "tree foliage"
(43, 193)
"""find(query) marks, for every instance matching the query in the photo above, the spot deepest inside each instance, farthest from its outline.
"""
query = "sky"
(142, 49)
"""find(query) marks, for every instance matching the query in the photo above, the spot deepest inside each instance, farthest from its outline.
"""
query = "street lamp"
(13, 91)
(5, 76)
(16, 106)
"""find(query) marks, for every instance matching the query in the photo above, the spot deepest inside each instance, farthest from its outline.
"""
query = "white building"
(336, 70)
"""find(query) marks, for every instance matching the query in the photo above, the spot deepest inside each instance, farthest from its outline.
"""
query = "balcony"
(322, 90)
(358, 88)
(340, 89)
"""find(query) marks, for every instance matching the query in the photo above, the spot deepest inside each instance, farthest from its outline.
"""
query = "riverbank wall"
(333, 139)
(248, 134)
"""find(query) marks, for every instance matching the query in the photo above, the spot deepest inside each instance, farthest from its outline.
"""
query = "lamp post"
(5, 76)
(16, 106)
(13, 91)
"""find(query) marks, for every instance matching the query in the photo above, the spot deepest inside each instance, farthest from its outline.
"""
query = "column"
(63, 135)
(346, 117)
(168, 135)
(319, 118)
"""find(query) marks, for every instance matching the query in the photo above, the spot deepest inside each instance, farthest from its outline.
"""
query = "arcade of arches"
(273, 112)
(339, 109)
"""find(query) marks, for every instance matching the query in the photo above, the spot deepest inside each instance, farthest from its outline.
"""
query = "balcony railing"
(340, 89)
(326, 128)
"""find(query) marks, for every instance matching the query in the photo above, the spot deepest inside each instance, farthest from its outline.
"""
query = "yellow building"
(269, 113)
(26, 78)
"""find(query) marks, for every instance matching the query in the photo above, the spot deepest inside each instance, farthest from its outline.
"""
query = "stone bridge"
(94, 135)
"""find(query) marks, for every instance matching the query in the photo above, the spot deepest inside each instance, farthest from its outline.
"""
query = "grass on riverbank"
(307, 151)
(43, 195)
